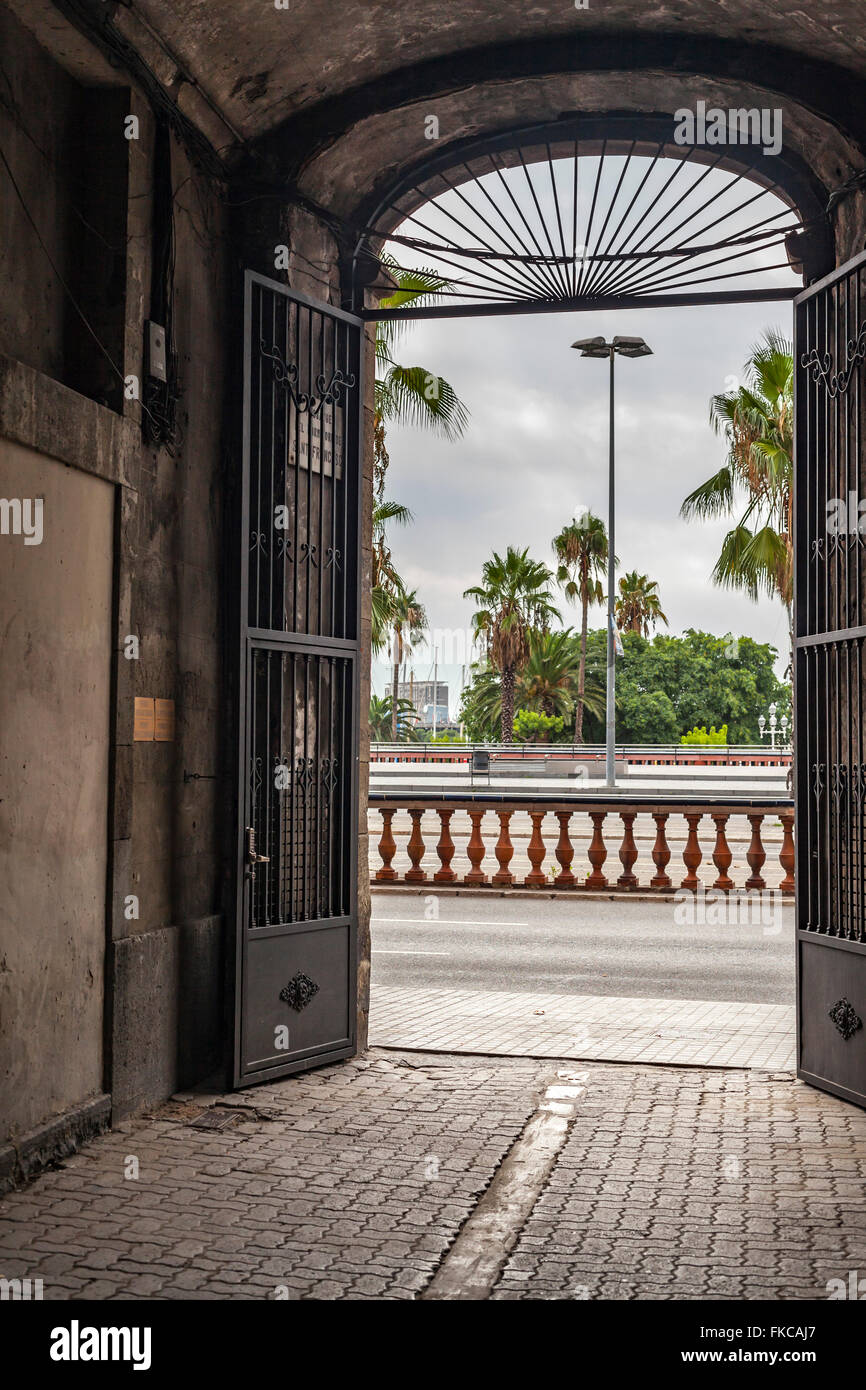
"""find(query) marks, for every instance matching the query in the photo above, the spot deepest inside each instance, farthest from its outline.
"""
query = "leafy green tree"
(581, 551)
(646, 716)
(512, 599)
(638, 607)
(707, 680)
(757, 422)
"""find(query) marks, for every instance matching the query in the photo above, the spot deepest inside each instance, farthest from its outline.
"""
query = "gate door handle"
(252, 857)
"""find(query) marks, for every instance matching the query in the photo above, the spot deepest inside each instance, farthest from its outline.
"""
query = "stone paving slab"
(354, 1182)
(693, 1032)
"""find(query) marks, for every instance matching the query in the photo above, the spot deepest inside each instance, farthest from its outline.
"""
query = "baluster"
(597, 851)
(535, 878)
(786, 854)
(661, 853)
(756, 854)
(416, 851)
(627, 851)
(503, 878)
(445, 850)
(722, 854)
(475, 850)
(564, 853)
(692, 855)
(387, 847)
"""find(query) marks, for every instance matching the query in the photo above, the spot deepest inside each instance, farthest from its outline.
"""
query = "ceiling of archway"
(261, 65)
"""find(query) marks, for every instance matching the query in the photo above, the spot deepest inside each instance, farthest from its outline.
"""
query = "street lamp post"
(762, 724)
(625, 347)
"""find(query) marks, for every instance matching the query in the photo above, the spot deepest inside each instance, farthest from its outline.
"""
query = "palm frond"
(713, 498)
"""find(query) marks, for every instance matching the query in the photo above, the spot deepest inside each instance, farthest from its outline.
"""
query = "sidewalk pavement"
(365, 1181)
(690, 1032)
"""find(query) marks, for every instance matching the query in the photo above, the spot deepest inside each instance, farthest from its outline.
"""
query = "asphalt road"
(566, 947)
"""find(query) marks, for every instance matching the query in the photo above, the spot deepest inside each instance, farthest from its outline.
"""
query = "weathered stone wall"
(169, 829)
(98, 994)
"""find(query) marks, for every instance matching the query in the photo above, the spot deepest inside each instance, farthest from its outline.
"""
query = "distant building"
(423, 695)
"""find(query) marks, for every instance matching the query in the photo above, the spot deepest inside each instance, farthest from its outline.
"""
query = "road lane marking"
(447, 922)
(411, 953)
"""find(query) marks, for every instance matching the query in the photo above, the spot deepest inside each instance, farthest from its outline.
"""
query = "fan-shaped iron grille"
(568, 225)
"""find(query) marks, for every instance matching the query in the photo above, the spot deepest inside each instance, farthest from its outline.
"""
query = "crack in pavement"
(473, 1264)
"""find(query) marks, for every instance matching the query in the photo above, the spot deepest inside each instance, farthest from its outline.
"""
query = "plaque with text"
(142, 729)
(163, 724)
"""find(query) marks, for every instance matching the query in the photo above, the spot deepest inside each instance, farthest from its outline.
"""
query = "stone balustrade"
(699, 832)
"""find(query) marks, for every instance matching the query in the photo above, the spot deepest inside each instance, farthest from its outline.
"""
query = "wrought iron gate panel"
(303, 386)
(297, 837)
(830, 667)
(300, 732)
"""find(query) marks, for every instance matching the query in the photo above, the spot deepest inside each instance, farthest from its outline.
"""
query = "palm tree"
(638, 607)
(381, 718)
(547, 683)
(581, 551)
(403, 395)
(408, 625)
(543, 685)
(757, 422)
(410, 395)
(386, 582)
(512, 599)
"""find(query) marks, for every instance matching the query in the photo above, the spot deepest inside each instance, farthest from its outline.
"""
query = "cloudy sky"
(536, 452)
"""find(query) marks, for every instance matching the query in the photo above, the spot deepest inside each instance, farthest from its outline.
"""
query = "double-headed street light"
(597, 347)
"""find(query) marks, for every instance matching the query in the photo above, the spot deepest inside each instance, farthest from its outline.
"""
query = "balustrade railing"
(640, 755)
(554, 825)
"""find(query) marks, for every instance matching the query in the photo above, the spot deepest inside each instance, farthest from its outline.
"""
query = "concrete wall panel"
(55, 655)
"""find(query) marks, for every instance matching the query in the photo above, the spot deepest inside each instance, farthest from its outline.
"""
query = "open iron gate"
(295, 993)
(830, 648)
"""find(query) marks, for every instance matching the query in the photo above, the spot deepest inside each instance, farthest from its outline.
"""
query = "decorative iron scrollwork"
(334, 556)
(330, 394)
(845, 1018)
(818, 779)
(286, 377)
(330, 775)
(299, 991)
(820, 365)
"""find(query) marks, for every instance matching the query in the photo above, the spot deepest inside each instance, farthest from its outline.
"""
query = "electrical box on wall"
(156, 355)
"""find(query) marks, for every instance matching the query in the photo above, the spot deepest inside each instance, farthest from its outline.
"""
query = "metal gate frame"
(830, 688)
(290, 645)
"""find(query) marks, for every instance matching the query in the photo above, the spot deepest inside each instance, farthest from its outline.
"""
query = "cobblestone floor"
(677, 1184)
(354, 1181)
